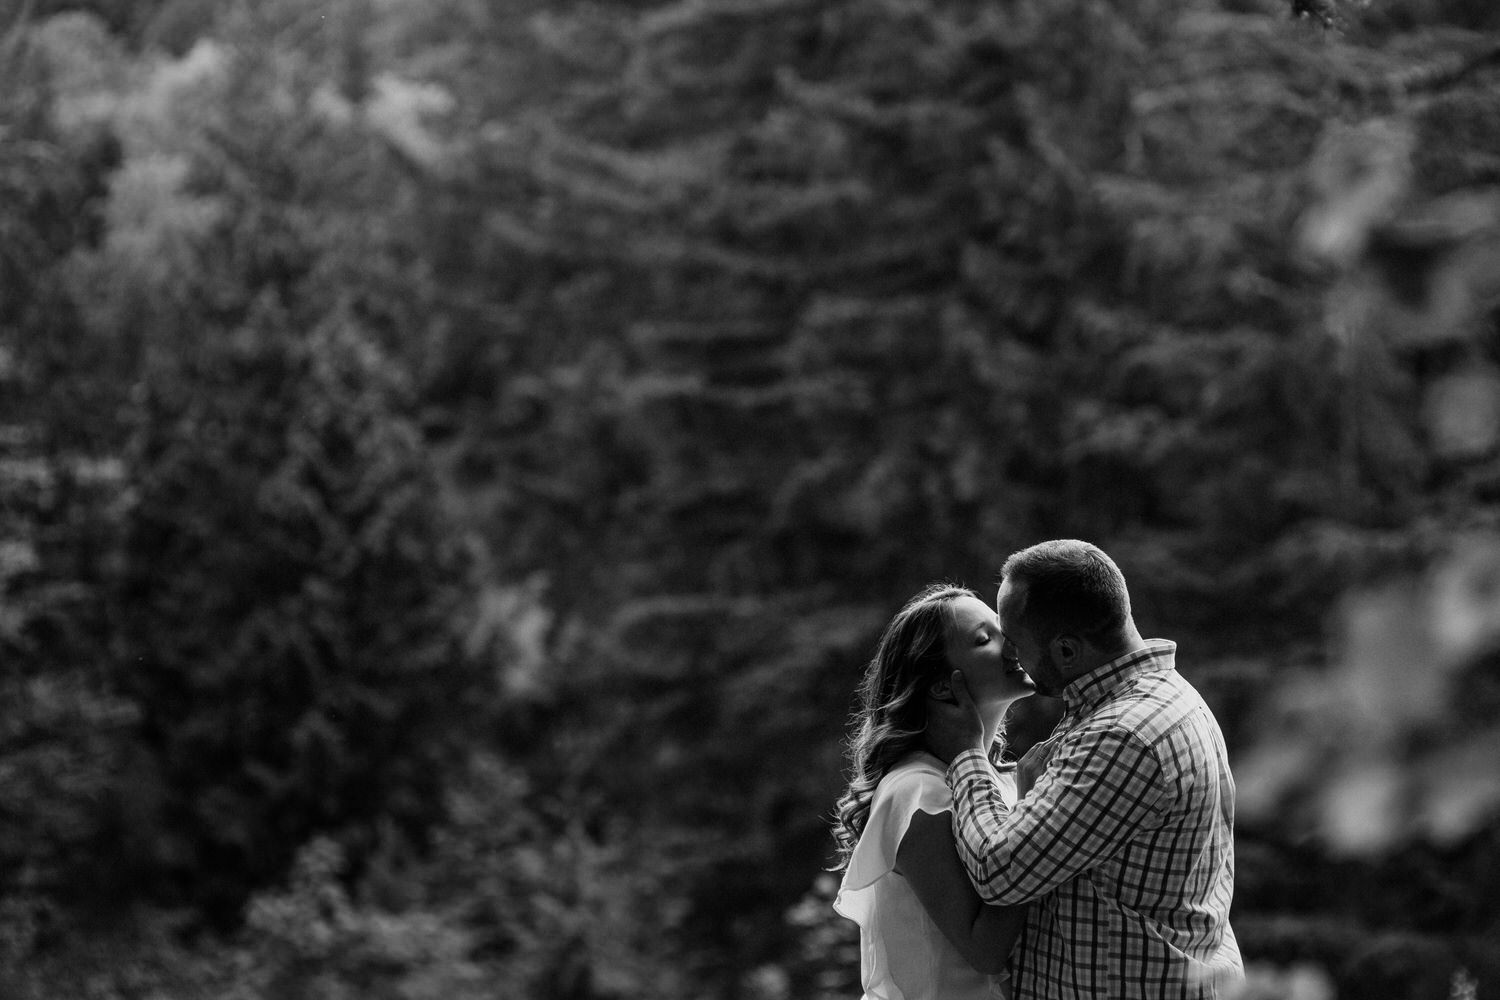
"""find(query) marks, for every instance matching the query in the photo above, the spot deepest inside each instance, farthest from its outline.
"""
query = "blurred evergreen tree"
(282, 594)
(926, 278)
(288, 608)
(66, 734)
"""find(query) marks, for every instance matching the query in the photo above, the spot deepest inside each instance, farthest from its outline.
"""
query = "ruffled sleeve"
(918, 786)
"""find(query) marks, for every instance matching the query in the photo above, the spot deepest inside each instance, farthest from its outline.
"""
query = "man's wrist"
(966, 758)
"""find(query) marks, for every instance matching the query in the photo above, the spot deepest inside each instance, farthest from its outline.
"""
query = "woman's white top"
(903, 954)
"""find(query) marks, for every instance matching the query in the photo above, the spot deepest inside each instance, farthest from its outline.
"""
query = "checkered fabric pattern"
(1125, 844)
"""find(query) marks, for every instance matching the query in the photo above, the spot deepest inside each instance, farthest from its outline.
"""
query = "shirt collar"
(1086, 693)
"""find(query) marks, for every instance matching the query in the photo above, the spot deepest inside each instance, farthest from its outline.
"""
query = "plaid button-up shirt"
(1125, 846)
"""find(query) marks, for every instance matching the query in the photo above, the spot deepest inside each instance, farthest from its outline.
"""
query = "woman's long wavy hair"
(892, 714)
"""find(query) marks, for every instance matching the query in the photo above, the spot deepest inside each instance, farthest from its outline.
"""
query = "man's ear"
(1065, 649)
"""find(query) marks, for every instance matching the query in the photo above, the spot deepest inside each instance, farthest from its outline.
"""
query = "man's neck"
(1102, 657)
(1130, 643)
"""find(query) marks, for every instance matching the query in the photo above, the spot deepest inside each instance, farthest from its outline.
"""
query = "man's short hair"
(1070, 586)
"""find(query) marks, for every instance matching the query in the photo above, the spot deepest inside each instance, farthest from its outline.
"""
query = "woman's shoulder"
(915, 769)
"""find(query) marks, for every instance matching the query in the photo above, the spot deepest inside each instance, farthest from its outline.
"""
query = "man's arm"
(1101, 790)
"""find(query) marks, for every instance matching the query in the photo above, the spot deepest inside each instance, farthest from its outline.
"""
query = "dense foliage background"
(456, 457)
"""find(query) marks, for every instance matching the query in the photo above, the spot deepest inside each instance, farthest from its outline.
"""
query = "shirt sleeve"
(1099, 791)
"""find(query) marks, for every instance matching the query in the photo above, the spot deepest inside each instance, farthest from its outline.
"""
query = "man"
(1125, 844)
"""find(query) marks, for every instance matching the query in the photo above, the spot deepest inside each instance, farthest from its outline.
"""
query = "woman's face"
(976, 647)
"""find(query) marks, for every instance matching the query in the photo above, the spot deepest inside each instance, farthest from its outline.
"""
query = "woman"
(924, 933)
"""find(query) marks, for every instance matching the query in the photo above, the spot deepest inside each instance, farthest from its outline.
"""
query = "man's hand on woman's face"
(955, 726)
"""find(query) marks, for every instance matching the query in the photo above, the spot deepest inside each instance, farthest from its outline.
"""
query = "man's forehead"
(1009, 598)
